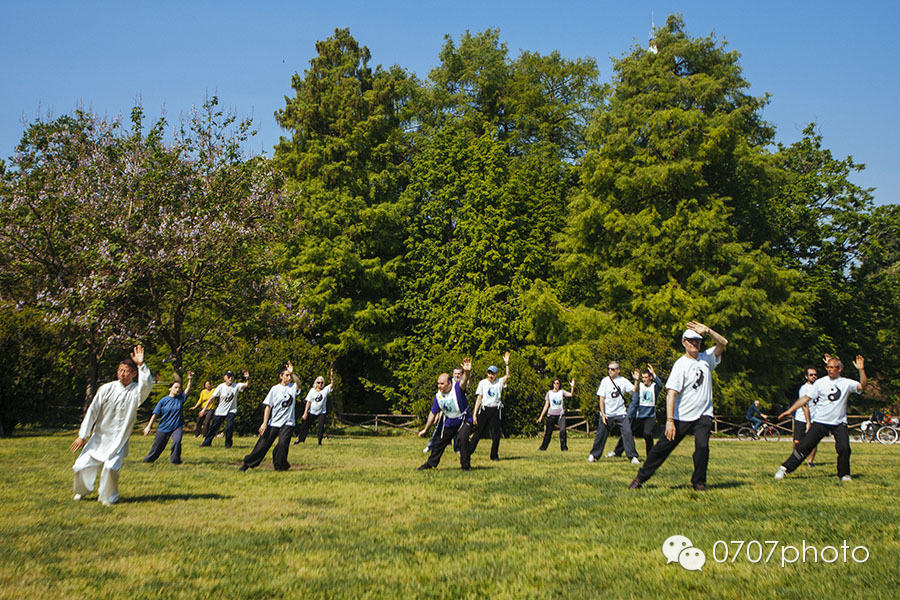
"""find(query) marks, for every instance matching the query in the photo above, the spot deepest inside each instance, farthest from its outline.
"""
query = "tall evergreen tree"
(672, 220)
(344, 162)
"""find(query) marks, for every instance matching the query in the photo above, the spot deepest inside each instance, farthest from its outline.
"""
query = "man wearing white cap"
(487, 408)
(689, 407)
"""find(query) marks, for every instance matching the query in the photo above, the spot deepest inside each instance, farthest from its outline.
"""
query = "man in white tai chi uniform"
(111, 417)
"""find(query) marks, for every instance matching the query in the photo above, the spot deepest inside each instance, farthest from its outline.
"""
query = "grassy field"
(354, 519)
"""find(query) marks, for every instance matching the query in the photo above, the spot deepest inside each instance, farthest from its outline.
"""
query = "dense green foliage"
(502, 203)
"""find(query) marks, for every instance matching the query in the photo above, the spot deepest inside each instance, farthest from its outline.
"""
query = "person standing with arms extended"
(554, 409)
(689, 405)
(205, 414)
(278, 422)
(803, 415)
(611, 395)
(642, 409)
(227, 393)
(316, 405)
(171, 422)
(450, 399)
(831, 395)
(108, 422)
(488, 408)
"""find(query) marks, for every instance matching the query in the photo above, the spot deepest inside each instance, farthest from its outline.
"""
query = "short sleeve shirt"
(490, 392)
(556, 400)
(227, 395)
(831, 399)
(809, 390)
(691, 379)
(169, 412)
(453, 404)
(283, 400)
(318, 399)
(614, 403)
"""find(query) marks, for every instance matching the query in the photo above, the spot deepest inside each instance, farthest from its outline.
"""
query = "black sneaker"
(700, 487)
(243, 468)
(424, 467)
(635, 484)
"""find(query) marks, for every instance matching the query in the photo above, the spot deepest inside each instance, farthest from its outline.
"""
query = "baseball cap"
(229, 373)
(690, 334)
(492, 369)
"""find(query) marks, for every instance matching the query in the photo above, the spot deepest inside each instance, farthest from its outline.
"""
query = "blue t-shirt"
(454, 405)
(168, 410)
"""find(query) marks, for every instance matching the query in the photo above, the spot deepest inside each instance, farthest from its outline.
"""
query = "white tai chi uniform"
(111, 416)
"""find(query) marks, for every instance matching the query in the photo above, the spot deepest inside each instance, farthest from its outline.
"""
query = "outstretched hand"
(650, 368)
(636, 374)
(859, 363)
(698, 327)
(467, 364)
(506, 357)
(137, 355)
(289, 368)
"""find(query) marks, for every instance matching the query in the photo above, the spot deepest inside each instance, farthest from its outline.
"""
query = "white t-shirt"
(490, 392)
(614, 403)
(556, 401)
(831, 399)
(318, 399)
(692, 381)
(227, 395)
(807, 389)
(282, 399)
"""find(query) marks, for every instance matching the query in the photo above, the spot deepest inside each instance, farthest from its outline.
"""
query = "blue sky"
(835, 63)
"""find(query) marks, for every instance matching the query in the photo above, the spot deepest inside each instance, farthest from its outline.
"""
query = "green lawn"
(354, 519)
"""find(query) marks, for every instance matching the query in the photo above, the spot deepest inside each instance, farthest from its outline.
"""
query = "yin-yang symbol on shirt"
(318, 398)
(699, 381)
(835, 394)
(285, 401)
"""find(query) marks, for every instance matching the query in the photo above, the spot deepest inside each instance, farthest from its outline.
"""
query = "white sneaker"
(425, 450)
(76, 497)
(635, 461)
(780, 473)
(846, 478)
(610, 454)
(591, 458)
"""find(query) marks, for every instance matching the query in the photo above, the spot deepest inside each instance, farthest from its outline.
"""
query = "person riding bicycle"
(752, 413)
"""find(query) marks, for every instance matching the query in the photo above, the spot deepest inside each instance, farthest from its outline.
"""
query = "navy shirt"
(168, 410)
(454, 405)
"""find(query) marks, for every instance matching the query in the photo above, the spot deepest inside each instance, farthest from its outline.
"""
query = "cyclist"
(752, 411)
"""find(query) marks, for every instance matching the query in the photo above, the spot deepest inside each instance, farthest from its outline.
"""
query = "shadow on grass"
(170, 497)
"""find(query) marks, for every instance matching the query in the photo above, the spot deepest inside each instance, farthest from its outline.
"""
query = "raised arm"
(506, 362)
(702, 329)
(860, 364)
(467, 371)
(187, 388)
(145, 379)
(246, 383)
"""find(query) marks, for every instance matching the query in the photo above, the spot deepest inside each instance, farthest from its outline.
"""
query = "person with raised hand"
(108, 423)
(689, 404)
(450, 399)
(171, 422)
(278, 421)
(487, 414)
(554, 410)
(317, 406)
(830, 395)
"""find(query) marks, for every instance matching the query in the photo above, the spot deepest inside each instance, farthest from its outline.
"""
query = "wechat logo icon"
(678, 548)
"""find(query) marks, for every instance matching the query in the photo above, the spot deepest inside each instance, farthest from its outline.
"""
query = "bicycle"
(871, 431)
(766, 431)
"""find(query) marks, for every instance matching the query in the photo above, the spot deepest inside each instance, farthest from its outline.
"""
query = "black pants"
(640, 427)
(159, 444)
(461, 434)
(214, 429)
(304, 427)
(489, 418)
(815, 434)
(701, 429)
(436, 435)
(603, 432)
(279, 455)
(551, 422)
(203, 423)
